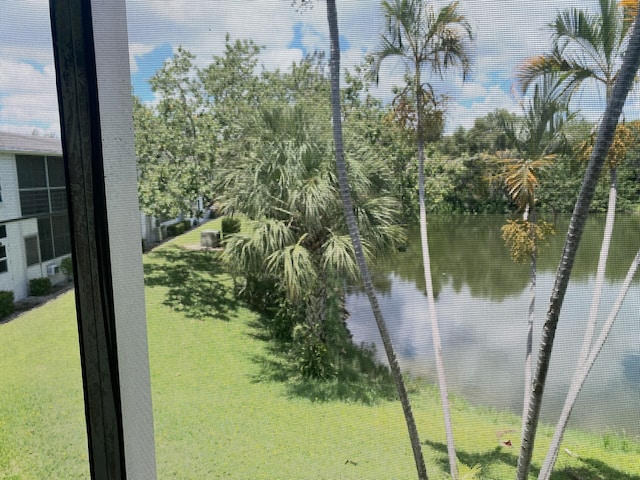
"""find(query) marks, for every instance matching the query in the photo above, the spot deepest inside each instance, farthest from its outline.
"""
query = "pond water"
(482, 303)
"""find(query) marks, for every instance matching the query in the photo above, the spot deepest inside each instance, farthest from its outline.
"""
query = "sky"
(506, 32)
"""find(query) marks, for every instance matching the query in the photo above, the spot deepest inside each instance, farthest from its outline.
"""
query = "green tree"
(488, 135)
(435, 40)
(181, 140)
(231, 88)
(606, 133)
(174, 141)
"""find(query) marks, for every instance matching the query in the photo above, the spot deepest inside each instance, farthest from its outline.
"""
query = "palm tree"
(426, 38)
(354, 232)
(582, 371)
(606, 132)
(535, 137)
(287, 185)
(587, 48)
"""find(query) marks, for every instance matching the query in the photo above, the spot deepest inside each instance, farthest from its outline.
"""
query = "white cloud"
(28, 97)
(280, 59)
(490, 100)
(137, 50)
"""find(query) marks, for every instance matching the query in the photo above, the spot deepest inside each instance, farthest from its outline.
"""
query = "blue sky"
(148, 64)
(506, 32)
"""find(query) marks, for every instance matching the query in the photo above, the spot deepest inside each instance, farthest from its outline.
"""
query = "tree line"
(202, 111)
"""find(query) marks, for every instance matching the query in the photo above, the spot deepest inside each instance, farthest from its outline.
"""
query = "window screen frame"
(94, 96)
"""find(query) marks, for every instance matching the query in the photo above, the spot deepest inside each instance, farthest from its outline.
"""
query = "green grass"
(220, 412)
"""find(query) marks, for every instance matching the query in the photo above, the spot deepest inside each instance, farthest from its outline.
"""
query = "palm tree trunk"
(600, 271)
(587, 339)
(332, 18)
(528, 371)
(581, 373)
(576, 226)
(576, 383)
(426, 261)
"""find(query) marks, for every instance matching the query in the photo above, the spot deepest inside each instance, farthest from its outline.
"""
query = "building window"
(54, 236)
(4, 267)
(41, 184)
(33, 250)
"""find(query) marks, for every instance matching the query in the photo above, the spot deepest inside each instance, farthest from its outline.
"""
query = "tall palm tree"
(606, 132)
(345, 194)
(427, 39)
(354, 233)
(589, 352)
(582, 372)
(587, 48)
(536, 137)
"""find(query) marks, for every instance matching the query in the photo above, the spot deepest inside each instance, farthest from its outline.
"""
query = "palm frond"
(423, 37)
(566, 69)
(575, 25)
(338, 256)
(521, 182)
(270, 236)
(239, 256)
(294, 265)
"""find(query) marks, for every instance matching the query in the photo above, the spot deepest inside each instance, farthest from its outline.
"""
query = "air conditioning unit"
(52, 269)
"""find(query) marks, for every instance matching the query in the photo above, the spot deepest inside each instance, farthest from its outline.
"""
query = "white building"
(34, 226)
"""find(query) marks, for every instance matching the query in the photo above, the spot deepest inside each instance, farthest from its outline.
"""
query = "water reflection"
(482, 300)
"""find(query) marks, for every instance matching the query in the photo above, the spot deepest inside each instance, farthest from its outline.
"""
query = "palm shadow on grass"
(195, 280)
(589, 468)
(357, 376)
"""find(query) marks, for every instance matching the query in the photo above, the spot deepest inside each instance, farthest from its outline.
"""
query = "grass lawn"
(219, 415)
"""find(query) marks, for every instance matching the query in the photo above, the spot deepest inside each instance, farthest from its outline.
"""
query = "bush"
(6, 303)
(66, 267)
(312, 355)
(230, 225)
(281, 320)
(178, 228)
(39, 286)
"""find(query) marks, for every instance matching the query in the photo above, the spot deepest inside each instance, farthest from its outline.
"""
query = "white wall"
(15, 278)
(18, 275)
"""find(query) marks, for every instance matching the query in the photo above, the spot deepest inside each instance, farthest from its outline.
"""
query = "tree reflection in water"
(482, 301)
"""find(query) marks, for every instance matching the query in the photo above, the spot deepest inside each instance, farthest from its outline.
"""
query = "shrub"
(66, 266)
(281, 320)
(312, 355)
(178, 228)
(39, 286)
(6, 303)
(230, 225)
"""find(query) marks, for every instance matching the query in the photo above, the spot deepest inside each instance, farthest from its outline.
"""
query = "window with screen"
(41, 184)
(3, 249)
(42, 193)
(31, 247)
